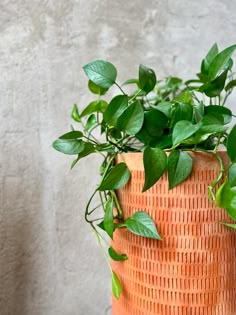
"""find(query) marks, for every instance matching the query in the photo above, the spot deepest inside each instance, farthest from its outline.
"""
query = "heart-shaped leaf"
(116, 107)
(69, 147)
(147, 79)
(118, 176)
(154, 161)
(142, 224)
(182, 130)
(102, 73)
(131, 120)
(179, 165)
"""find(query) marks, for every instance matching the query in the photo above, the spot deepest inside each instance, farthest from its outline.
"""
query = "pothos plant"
(157, 117)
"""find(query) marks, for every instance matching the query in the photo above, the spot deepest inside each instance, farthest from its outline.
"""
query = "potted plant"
(168, 173)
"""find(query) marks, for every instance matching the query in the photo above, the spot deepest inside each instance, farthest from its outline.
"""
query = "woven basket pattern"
(192, 271)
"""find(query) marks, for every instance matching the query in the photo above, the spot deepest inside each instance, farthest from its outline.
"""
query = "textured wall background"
(50, 263)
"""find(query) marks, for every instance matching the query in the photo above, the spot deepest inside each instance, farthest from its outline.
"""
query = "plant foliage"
(166, 120)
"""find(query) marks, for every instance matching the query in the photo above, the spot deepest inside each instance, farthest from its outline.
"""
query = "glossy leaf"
(142, 224)
(95, 89)
(72, 135)
(224, 195)
(179, 166)
(116, 285)
(209, 58)
(231, 144)
(116, 107)
(75, 113)
(147, 79)
(183, 130)
(115, 256)
(108, 223)
(154, 161)
(102, 73)
(131, 120)
(96, 106)
(154, 122)
(91, 122)
(165, 108)
(232, 174)
(215, 87)
(70, 147)
(118, 176)
(220, 62)
(181, 111)
(231, 210)
(216, 111)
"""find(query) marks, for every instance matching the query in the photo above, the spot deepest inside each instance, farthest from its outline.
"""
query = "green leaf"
(230, 85)
(91, 122)
(182, 130)
(102, 73)
(75, 113)
(215, 87)
(154, 122)
(179, 166)
(142, 224)
(96, 106)
(165, 108)
(205, 132)
(216, 111)
(184, 97)
(181, 111)
(88, 149)
(220, 62)
(231, 210)
(116, 107)
(72, 135)
(232, 174)
(108, 218)
(147, 79)
(198, 111)
(69, 147)
(95, 89)
(231, 144)
(154, 161)
(131, 120)
(209, 58)
(118, 176)
(115, 256)
(116, 285)
(224, 195)
(231, 225)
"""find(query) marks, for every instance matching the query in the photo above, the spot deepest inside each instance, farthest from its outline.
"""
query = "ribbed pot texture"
(192, 271)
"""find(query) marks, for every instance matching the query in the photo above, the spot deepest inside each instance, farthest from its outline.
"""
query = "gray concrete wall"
(50, 263)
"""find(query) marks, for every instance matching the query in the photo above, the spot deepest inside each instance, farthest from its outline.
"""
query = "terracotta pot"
(192, 271)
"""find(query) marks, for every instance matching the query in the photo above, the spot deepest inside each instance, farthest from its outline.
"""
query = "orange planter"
(192, 271)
